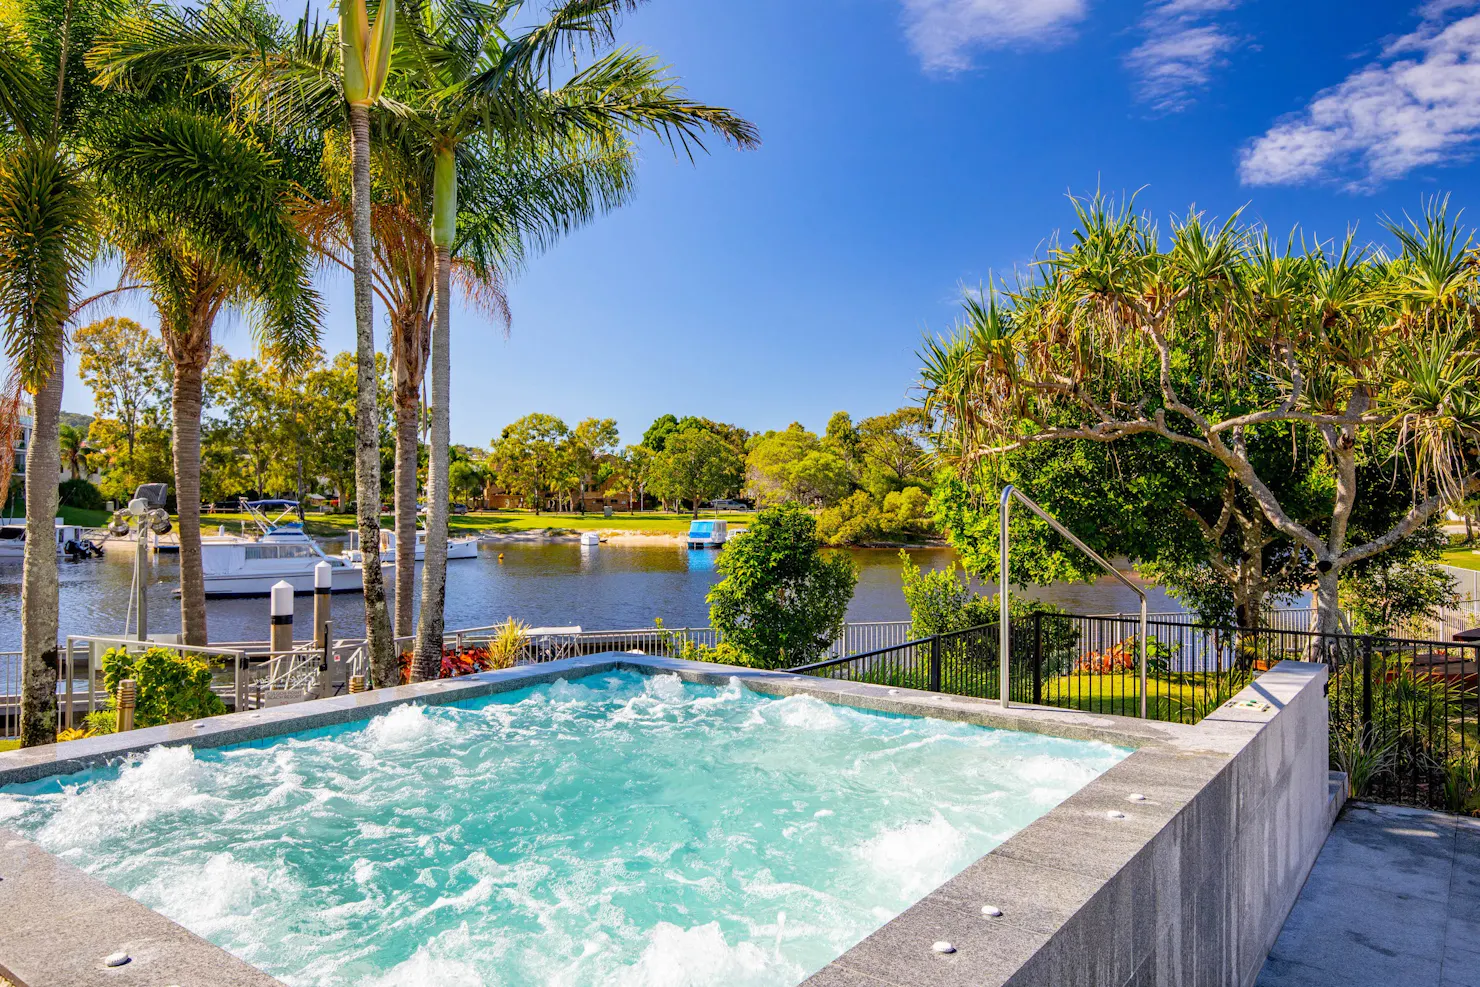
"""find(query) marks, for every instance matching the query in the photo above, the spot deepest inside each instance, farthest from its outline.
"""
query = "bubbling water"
(619, 830)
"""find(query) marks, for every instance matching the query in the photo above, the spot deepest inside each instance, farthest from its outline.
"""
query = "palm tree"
(219, 234)
(481, 94)
(314, 77)
(527, 203)
(74, 451)
(47, 239)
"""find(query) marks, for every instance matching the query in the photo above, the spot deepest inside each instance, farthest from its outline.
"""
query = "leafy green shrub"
(861, 518)
(941, 601)
(172, 686)
(783, 599)
(79, 493)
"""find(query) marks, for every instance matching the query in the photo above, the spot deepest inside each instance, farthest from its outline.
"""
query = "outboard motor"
(73, 551)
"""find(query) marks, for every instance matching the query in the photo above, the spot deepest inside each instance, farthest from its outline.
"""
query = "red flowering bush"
(468, 661)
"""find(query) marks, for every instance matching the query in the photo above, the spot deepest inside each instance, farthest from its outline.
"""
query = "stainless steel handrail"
(1004, 641)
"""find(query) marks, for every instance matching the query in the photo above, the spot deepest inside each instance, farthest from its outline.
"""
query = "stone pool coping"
(61, 923)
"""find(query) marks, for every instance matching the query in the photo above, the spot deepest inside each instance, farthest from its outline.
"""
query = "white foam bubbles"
(164, 780)
(407, 726)
(805, 713)
(917, 856)
(675, 957)
(217, 895)
(665, 688)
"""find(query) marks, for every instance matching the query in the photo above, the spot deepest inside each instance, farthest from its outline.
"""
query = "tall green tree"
(125, 368)
(315, 77)
(480, 85)
(218, 234)
(1217, 333)
(526, 456)
(47, 241)
(696, 466)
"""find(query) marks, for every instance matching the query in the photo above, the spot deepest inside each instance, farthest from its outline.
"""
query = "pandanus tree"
(47, 241)
(315, 76)
(524, 204)
(219, 233)
(478, 91)
(1217, 333)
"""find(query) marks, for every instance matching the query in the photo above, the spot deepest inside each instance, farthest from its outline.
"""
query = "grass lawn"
(69, 515)
(10, 745)
(653, 522)
(1184, 698)
(1462, 557)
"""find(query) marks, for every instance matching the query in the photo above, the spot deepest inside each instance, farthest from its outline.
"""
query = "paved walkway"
(1394, 899)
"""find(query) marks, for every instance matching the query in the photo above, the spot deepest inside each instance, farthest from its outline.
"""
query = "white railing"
(1467, 585)
(250, 675)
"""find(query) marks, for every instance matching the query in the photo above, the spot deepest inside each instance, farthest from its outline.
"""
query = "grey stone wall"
(1188, 885)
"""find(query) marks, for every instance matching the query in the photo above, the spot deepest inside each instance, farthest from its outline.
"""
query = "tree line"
(869, 480)
(224, 155)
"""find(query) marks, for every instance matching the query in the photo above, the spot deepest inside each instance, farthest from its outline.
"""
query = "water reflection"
(614, 586)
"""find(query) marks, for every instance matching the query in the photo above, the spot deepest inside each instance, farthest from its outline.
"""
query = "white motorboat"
(285, 552)
(465, 547)
(72, 540)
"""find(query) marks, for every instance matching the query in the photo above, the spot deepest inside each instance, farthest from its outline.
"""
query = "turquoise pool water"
(614, 830)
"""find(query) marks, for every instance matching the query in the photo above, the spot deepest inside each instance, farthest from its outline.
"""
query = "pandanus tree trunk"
(429, 631)
(378, 643)
(186, 411)
(406, 412)
(39, 576)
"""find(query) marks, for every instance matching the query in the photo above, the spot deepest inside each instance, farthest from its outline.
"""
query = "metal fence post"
(1366, 683)
(1037, 657)
(935, 663)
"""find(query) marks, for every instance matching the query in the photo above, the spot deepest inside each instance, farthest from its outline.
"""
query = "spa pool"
(616, 829)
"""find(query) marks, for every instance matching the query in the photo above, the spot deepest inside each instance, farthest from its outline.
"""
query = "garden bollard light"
(281, 641)
(356, 683)
(128, 698)
(323, 589)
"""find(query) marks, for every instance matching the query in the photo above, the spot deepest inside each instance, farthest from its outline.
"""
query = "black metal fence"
(1405, 714)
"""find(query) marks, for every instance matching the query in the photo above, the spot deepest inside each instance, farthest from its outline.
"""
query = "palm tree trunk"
(428, 664)
(39, 573)
(378, 644)
(406, 409)
(187, 402)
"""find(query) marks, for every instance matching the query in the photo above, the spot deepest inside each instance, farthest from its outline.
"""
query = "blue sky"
(913, 146)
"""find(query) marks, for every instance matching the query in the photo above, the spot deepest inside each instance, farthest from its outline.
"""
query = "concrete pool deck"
(1177, 865)
(1394, 898)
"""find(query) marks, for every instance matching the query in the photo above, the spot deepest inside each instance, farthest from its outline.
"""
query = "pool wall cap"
(1135, 797)
(943, 947)
(1115, 814)
(116, 959)
(991, 911)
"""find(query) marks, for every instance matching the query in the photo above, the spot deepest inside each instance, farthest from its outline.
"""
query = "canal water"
(560, 584)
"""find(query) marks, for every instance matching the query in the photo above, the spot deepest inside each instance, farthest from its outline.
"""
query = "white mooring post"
(281, 640)
(323, 589)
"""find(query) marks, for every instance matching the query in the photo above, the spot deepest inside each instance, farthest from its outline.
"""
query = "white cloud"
(1417, 104)
(944, 33)
(1180, 52)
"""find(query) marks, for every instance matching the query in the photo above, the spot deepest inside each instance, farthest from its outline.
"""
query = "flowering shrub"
(1123, 657)
(469, 661)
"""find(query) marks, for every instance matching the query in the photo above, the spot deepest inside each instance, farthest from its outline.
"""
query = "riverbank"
(523, 526)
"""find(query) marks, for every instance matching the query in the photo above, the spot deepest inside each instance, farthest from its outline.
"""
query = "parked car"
(459, 508)
(729, 505)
